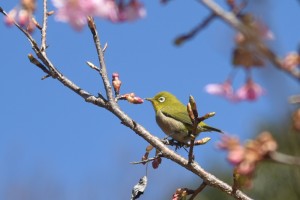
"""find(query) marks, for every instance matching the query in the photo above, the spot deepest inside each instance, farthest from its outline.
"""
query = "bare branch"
(44, 28)
(198, 190)
(179, 40)
(191, 150)
(34, 61)
(91, 65)
(233, 21)
(159, 155)
(105, 47)
(36, 23)
(99, 49)
(36, 49)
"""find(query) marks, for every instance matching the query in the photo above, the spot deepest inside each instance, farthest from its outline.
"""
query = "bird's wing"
(181, 116)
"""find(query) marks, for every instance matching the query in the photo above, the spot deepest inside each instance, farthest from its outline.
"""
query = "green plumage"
(172, 117)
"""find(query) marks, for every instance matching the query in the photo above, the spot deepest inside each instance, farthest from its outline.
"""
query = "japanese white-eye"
(172, 117)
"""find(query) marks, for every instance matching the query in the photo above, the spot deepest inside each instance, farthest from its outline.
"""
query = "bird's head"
(162, 99)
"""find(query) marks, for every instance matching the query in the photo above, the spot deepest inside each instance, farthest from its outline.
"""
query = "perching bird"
(172, 117)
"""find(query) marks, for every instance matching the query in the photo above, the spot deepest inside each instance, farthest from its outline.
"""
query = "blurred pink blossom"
(133, 10)
(235, 150)
(221, 89)
(10, 18)
(246, 157)
(250, 91)
(75, 12)
(246, 167)
(236, 155)
(291, 61)
(22, 16)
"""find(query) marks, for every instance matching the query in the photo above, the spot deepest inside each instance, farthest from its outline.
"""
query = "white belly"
(172, 127)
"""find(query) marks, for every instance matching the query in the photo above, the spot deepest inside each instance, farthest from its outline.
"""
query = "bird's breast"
(172, 127)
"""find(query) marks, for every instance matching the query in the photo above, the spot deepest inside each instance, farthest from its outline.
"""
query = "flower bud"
(131, 98)
(137, 100)
(116, 83)
(190, 112)
(250, 91)
(156, 162)
(202, 141)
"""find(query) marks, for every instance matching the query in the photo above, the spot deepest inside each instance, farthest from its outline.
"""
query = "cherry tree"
(251, 51)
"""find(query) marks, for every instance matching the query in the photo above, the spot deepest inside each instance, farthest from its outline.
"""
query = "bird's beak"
(149, 99)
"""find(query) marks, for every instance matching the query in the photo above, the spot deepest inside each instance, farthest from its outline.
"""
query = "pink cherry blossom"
(75, 12)
(246, 167)
(221, 89)
(22, 15)
(10, 18)
(133, 10)
(250, 91)
(235, 150)
(236, 155)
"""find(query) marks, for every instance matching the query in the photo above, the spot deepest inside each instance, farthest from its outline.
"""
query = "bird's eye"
(161, 99)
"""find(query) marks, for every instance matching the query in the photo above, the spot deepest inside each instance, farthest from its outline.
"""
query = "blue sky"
(51, 140)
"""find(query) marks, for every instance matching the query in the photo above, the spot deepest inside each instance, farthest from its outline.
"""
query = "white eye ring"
(161, 99)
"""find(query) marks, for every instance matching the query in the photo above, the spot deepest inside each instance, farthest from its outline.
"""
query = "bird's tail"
(209, 128)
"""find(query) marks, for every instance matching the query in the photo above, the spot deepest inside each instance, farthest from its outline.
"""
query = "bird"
(172, 117)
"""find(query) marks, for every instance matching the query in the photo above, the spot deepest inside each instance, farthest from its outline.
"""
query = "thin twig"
(46, 76)
(54, 72)
(36, 24)
(91, 65)
(99, 49)
(44, 28)
(232, 20)
(105, 47)
(159, 155)
(179, 40)
(191, 150)
(34, 61)
(198, 190)
(31, 40)
(235, 185)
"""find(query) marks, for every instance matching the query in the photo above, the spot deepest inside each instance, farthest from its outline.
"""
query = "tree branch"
(44, 28)
(198, 190)
(34, 61)
(179, 40)
(233, 21)
(113, 107)
(100, 53)
(159, 155)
